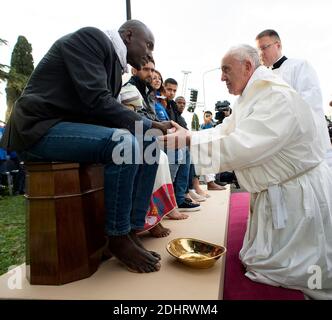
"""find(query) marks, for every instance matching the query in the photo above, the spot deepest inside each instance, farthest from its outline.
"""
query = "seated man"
(271, 141)
(136, 94)
(179, 160)
(69, 112)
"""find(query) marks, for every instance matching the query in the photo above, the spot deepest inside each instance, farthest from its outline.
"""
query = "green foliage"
(195, 122)
(3, 73)
(21, 67)
(22, 61)
(12, 232)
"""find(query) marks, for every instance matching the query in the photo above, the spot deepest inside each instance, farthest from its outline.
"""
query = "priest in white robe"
(299, 74)
(271, 141)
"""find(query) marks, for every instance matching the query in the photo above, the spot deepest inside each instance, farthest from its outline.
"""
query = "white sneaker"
(196, 197)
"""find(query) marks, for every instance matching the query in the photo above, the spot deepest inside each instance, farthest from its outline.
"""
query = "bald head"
(238, 65)
(180, 103)
(139, 41)
(132, 25)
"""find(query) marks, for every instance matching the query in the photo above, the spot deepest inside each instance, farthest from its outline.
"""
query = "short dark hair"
(180, 97)
(170, 81)
(268, 33)
(150, 59)
(208, 112)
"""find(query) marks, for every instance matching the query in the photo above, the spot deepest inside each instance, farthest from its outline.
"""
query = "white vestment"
(272, 144)
(301, 76)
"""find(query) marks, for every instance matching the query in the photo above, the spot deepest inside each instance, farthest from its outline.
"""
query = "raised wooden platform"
(173, 281)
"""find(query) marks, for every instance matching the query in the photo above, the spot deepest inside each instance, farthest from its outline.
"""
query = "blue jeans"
(179, 172)
(128, 184)
(175, 158)
(192, 175)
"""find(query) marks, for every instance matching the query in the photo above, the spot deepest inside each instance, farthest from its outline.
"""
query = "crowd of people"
(12, 173)
(275, 141)
(177, 187)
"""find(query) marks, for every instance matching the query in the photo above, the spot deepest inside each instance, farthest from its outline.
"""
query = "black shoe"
(188, 206)
(221, 183)
(236, 184)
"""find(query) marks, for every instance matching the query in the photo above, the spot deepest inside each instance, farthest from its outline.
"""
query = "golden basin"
(195, 253)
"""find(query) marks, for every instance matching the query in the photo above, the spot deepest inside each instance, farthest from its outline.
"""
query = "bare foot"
(202, 193)
(214, 186)
(132, 256)
(176, 215)
(135, 238)
(159, 231)
(198, 189)
(106, 254)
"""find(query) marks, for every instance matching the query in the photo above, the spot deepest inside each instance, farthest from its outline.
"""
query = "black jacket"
(78, 80)
(175, 115)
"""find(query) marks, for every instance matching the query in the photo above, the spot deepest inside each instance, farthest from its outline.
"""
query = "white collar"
(119, 47)
(276, 61)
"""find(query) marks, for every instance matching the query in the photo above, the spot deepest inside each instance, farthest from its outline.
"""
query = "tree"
(195, 122)
(3, 73)
(21, 67)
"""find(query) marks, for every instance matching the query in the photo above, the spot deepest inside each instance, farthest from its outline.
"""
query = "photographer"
(223, 110)
(208, 121)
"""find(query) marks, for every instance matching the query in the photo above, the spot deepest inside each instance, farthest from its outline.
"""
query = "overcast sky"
(190, 35)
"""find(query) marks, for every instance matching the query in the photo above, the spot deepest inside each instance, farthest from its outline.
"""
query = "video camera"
(221, 108)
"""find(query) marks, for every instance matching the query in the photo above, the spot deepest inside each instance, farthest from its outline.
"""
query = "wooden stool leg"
(92, 188)
(59, 238)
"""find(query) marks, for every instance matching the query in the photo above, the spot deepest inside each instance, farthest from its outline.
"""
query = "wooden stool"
(65, 221)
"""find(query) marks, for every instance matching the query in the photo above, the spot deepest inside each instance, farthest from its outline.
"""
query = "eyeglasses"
(263, 48)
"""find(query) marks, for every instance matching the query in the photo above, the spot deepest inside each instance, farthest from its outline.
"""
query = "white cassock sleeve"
(302, 77)
(256, 137)
(306, 83)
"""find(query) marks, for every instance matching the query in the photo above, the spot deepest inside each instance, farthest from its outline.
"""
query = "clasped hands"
(174, 136)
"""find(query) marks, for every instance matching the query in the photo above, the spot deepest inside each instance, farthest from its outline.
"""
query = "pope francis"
(272, 143)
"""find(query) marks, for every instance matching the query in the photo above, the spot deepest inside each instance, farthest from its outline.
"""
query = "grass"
(12, 232)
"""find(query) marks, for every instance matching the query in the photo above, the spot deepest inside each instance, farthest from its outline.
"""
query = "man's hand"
(178, 138)
(162, 126)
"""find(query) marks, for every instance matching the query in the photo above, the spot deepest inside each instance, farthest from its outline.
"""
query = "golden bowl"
(195, 253)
